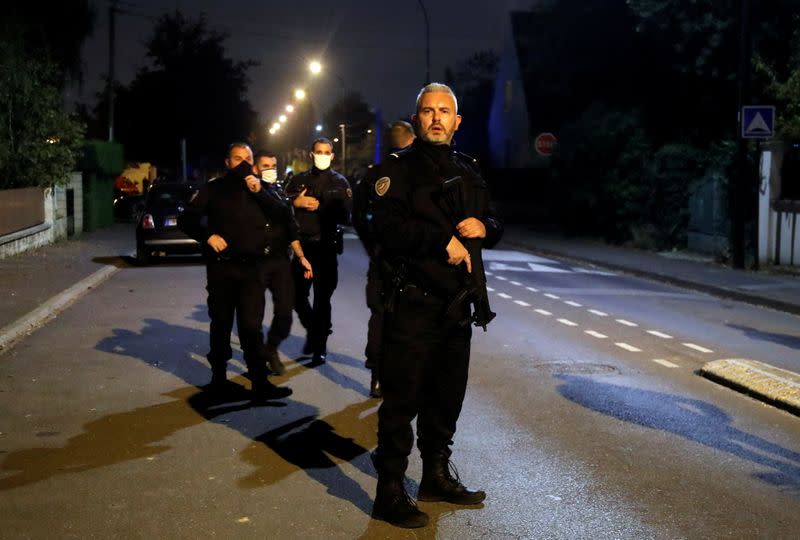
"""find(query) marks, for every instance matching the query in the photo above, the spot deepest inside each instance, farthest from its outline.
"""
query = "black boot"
(395, 506)
(308, 346)
(273, 360)
(318, 359)
(439, 484)
(375, 385)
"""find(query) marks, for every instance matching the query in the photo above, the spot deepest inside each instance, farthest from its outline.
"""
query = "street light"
(300, 94)
(290, 108)
(319, 127)
(315, 67)
(282, 118)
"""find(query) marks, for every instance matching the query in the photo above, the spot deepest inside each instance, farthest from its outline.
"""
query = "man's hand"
(305, 202)
(457, 253)
(471, 228)
(217, 243)
(253, 183)
(309, 273)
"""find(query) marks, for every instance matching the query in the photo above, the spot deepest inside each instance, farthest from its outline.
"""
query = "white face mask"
(322, 161)
(269, 175)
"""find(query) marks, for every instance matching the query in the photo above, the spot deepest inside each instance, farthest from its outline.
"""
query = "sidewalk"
(38, 284)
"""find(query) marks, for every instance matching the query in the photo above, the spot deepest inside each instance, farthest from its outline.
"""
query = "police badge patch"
(382, 186)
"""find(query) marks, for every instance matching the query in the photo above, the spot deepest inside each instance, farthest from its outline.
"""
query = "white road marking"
(517, 283)
(520, 302)
(553, 296)
(488, 273)
(543, 312)
(503, 295)
(501, 278)
(627, 347)
(567, 322)
(665, 363)
(489, 289)
(598, 313)
(532, 289)
(596, 334)
(627, 323)
(573, 304)
(659, 334)
(698, 348)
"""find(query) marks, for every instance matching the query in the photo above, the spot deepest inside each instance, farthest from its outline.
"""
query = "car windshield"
(163, 196)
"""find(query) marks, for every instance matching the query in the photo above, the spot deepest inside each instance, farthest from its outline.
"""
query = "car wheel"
(142, 256)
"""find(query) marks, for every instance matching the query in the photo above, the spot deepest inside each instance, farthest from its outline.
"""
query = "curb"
(776, 386)
(720, 292)
(26, 324)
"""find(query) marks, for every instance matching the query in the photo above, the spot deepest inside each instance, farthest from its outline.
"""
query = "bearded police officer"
(231, 217)
(322, 202)
(424, 232)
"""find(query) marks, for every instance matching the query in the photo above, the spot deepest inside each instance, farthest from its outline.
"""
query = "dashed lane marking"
(490, 289)
(521, 303)
(567, 322)
(532, 289)
(596, 334)
(517, 283)
(598, 312)
(656, 333)
(665, 363)
(627, 347)
(627, 323)
(573, 304)
(553, 296)
(543, 312)
(698, 348)
(501, 278)
(503, 295)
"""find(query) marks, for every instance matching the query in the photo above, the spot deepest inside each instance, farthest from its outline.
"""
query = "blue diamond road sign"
(758, 121)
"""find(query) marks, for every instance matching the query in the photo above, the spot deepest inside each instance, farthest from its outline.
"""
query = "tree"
(191, 90)
(39, 143)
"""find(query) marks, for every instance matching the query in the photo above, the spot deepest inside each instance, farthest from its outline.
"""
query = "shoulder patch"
(382, 185)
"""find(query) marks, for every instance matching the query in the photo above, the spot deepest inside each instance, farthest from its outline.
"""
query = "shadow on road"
(691, 419)
(793, 342)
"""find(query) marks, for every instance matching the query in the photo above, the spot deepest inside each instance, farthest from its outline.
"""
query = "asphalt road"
(584, 419)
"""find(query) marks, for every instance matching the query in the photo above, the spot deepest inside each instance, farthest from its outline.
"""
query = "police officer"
(230, 216)
(401, 135)
(427, 328)
(282, 231)
(322, 201)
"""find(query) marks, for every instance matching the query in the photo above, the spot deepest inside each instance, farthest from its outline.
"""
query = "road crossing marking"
(698, 348)
(573, 304)
(502, 278)
(567, 322)
(596, 334)
(532, 289)
(627, 347)
(543, 312)
(627, 323)
(665, 363)
(503, 295)
(598, 313)
(489, 289)
(521, 303)
(553, 296)
(656, 333)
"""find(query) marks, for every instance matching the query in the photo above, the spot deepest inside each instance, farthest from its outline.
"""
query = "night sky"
(374, 47)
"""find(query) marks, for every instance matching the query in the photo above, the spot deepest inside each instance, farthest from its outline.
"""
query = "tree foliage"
(191, 90)
(39, 143)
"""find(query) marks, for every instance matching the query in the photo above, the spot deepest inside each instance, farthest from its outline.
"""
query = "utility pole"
(112, 12)
(427, 43)
(739, 194)
(343, 129)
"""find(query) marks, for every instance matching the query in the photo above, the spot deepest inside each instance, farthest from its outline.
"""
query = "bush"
(39, 143)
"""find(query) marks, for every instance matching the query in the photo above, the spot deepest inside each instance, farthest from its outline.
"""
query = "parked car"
(157, 228)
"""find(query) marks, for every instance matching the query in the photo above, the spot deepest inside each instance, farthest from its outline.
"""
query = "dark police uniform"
(320, 234)
(363, 202)
(426, 340)
(256, 227)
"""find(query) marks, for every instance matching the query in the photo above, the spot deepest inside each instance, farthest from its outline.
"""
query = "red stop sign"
(545, 144)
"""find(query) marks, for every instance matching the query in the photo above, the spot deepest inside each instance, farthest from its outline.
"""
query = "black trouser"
(423, 374)
(316, 319)
(281, 285)
(236, 287)
(375, 305)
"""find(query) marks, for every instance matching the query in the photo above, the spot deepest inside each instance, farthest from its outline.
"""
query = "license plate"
(171, 222)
